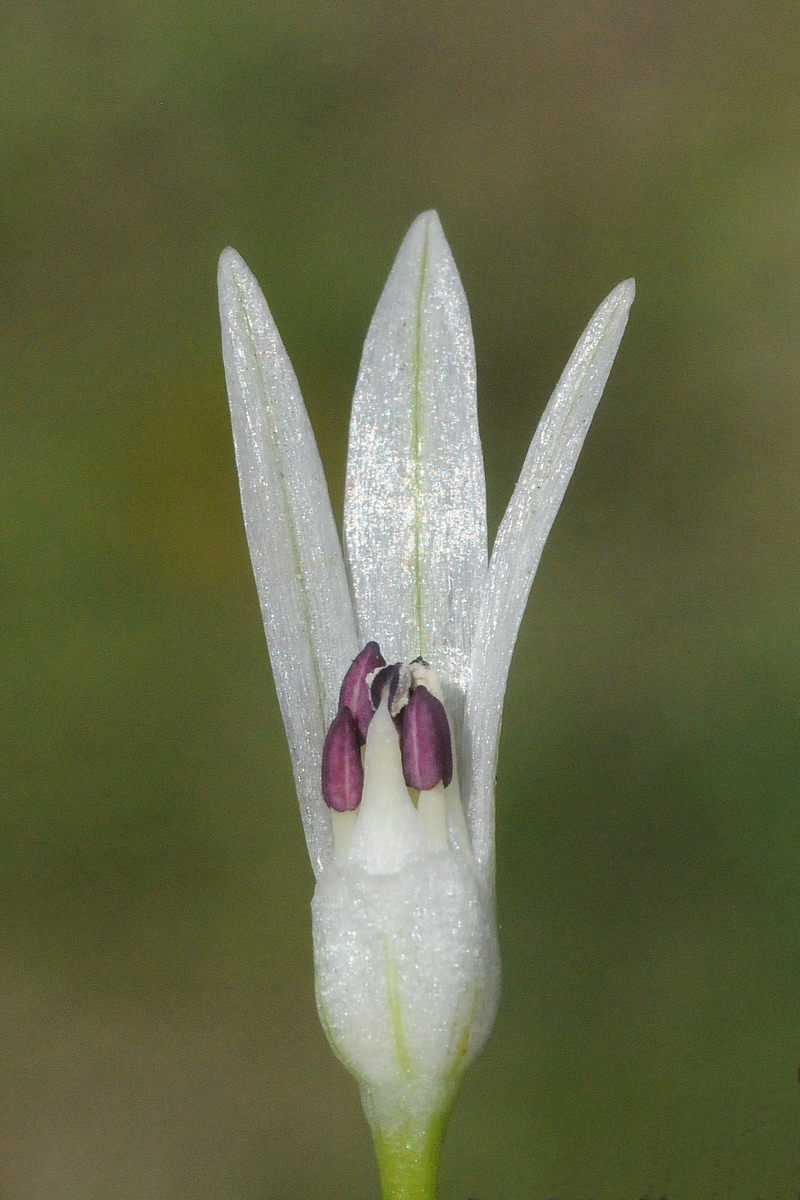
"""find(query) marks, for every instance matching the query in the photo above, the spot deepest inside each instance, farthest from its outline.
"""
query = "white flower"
(404, 932)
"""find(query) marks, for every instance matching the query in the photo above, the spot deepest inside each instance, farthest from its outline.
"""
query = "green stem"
(408, 1159)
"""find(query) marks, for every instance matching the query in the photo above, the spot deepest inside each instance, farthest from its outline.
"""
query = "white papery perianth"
(291, 533)
(517, 551)
(415, 495)
(405, 942)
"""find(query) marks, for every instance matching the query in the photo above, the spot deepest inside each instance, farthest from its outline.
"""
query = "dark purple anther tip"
(342, 772)
(425, 743)
(354, 693)
(387, 682)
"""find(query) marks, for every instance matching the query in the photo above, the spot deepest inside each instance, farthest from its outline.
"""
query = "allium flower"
(391, 664)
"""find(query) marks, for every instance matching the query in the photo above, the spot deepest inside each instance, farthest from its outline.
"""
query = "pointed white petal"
(518, 548)
(415, 502)
(297, 560)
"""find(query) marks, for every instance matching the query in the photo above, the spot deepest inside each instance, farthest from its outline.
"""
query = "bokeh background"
(158, 1038)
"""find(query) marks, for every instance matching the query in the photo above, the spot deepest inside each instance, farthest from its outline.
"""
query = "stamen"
(354, 693)
(425, 743)
(342, 772)
(432, 809)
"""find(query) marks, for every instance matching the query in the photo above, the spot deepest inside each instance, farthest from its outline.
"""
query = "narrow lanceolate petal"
(415, 505)
(518, 548)
(292, 536)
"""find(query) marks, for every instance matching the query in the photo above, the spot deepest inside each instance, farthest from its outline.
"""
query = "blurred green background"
(158, 1038)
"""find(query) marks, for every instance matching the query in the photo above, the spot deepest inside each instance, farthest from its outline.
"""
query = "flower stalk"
(390, 664)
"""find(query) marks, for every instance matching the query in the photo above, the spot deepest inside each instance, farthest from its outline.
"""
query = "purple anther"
(391, 682)
(354, 693)
(425, 742)
(342, 772)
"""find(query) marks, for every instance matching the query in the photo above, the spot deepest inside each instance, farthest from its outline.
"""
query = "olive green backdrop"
(158, 1039)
